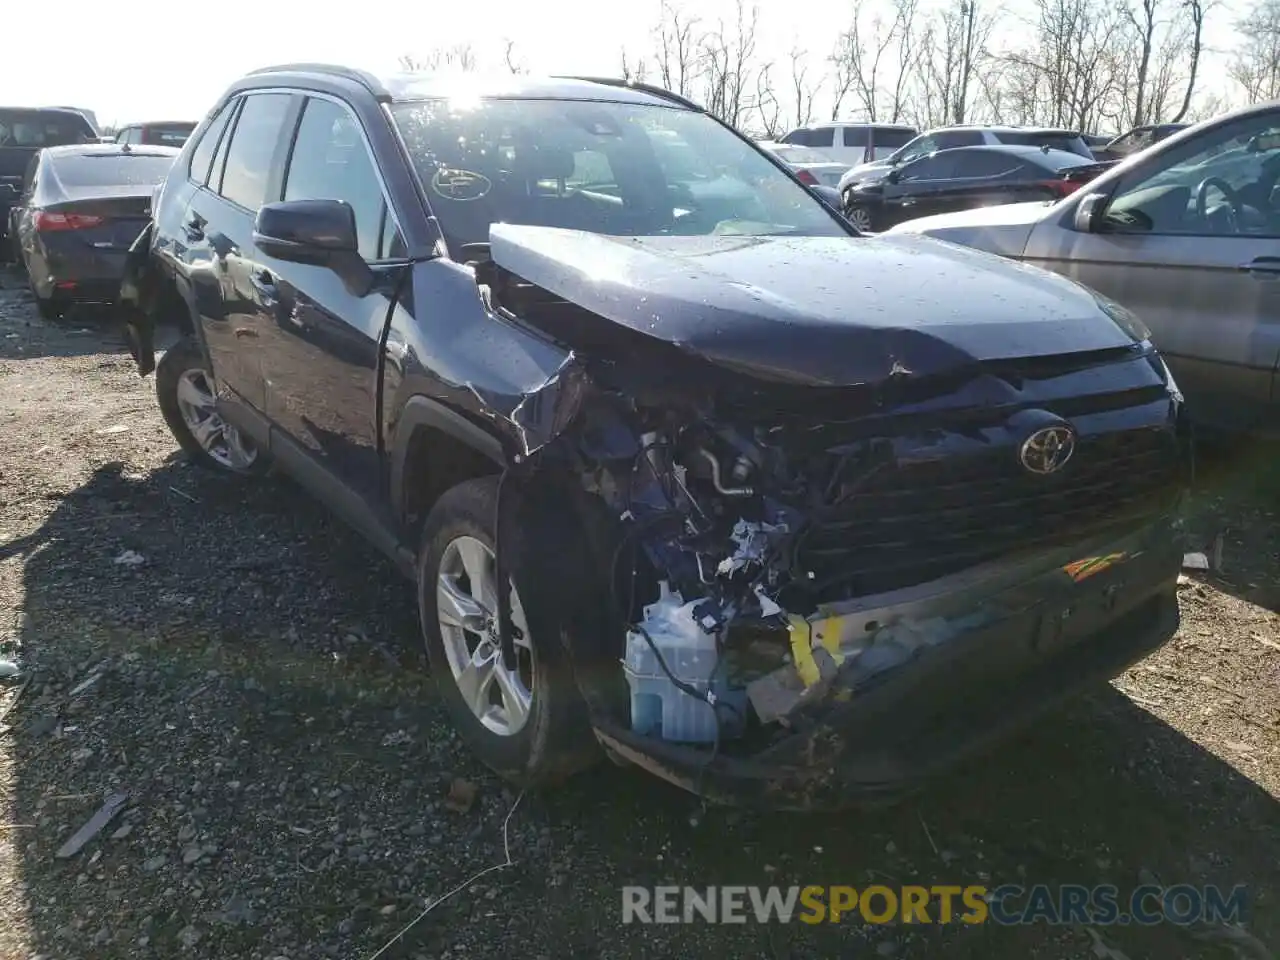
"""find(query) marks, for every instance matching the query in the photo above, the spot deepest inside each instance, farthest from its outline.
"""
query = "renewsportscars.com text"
(1008, 904)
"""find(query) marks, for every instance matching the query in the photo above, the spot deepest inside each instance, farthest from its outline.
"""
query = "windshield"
(790, 154)
(33, 129)
(168, 135)
(609, 168)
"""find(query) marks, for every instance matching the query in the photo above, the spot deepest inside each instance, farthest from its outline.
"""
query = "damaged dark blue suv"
(682, 465)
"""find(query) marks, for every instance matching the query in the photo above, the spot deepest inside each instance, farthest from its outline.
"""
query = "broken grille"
(914, 522)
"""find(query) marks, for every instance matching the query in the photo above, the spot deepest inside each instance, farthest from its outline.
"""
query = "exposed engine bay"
(771, 534)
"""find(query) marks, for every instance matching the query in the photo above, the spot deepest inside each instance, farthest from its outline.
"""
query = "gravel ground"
(246, 671)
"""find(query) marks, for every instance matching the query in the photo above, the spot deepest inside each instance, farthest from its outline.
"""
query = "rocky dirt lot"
(246, 672)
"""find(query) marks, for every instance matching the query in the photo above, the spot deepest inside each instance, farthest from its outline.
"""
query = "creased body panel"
(830, 311)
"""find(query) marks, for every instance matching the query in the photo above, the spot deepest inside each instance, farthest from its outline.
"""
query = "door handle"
(265, 284)
(194, 227)
(1269, 266)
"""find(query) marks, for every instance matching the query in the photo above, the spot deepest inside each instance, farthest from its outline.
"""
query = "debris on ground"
(461, 796)
(93, 826)
(1195, 561)
(130, 558)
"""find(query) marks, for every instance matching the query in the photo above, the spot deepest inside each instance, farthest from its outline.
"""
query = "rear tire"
(184, 390)
(539, 743)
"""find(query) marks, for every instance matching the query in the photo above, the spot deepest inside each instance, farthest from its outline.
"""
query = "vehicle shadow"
(84, 331)
(245, 668)
(1236, 517)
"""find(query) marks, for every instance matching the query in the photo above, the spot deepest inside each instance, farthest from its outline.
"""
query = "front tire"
(859, 216)
(185, 392)
(527, 723)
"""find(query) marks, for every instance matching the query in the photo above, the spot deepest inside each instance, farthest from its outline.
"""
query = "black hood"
(831, 311)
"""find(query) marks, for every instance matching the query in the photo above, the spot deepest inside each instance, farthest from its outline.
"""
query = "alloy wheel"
(226, 445)
(467, 611)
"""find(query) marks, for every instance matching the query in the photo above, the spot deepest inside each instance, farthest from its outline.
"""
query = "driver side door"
(1207, 286)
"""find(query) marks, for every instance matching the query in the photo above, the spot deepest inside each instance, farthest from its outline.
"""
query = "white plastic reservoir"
(658, 707)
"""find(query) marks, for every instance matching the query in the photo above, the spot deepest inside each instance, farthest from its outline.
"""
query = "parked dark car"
(80, 210)
(1139, 138)
(1187, 235)
(967, 135)
(964, 178)
(168, 133)
(23, 132)
(784, 514)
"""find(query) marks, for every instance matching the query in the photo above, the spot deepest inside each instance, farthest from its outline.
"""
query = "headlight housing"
(1125, 318)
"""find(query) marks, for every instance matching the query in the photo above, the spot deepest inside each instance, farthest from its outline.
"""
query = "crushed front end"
(802, 595)
(831, 594)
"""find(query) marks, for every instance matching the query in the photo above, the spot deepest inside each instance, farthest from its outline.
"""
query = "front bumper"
(1036, 641)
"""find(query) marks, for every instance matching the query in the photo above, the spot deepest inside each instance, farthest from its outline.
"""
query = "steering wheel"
(1228, 192)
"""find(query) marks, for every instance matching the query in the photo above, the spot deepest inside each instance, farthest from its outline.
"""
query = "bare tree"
(1071, 73)
(728, 59)
(803, 93)
(459, 57)
(511, 60)
(679, 50)
(636, 69)
(1196, 11)
(858, 60)
(1256, 63)
(904, 34)
(768, 108)
(952, 47)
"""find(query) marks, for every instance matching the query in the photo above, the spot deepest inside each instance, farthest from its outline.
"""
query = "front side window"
(919, 147)
(202, 155)
(1222, 182)
(253, 145)
(610, 168)
(940, 166)
(331, 162)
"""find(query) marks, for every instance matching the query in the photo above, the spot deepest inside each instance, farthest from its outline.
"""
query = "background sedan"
(81, 208)
(812, 167)
(962, 178)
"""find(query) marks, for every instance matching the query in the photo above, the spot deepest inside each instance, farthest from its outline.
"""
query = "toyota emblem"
(1048, 450)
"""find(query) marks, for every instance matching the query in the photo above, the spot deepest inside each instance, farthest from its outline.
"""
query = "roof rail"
(640, 85)
(365, 79)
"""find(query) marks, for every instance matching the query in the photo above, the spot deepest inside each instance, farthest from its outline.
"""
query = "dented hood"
(831, 311)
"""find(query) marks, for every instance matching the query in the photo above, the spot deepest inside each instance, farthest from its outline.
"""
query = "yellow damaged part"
(802, 633)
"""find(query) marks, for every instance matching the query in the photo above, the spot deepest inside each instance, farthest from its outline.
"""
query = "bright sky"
(158, 60)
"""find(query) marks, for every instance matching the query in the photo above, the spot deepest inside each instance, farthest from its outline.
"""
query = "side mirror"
(321, 233)
(1088, 214)
(894, 175)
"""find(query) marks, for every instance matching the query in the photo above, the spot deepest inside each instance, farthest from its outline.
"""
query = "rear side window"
(253, 145)
(958, 138)
(33, 129)
(855, 136)
(202, 155)
(330, 162)
(940, 166)
(977, 164)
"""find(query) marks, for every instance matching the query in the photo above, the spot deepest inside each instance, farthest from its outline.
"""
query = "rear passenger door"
(233, 302)
(922, 188)
(856, 141)
(321, 352)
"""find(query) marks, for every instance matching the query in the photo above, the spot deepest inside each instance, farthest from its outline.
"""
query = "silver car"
(1187, 236)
